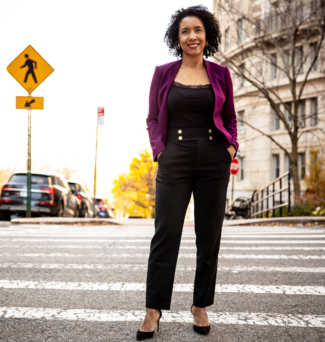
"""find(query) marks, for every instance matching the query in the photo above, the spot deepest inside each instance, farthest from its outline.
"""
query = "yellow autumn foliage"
(134, 193)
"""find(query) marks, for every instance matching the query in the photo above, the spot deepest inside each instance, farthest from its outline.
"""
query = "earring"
(178, 46)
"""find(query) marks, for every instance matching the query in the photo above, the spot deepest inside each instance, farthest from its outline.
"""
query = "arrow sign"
(27, 102)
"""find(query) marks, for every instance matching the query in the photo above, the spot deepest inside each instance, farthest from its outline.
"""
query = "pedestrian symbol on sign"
(29, 69)
(30, 64)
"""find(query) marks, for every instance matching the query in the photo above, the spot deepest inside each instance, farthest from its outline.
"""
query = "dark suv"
(51, 196)
(83, 194)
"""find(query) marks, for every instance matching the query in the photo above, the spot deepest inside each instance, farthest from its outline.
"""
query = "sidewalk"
(281, 221)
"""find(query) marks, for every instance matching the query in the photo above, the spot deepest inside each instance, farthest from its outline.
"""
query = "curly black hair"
(211, 25)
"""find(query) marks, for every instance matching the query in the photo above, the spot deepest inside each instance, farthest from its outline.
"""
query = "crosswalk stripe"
(135, 267)
(267, 319)
(148, 247)
(221, 256)
(242, 318)
(229, 288)
(139, 234)
(183, 241)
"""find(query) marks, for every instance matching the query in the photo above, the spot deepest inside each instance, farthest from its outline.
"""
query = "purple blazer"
(224, 115)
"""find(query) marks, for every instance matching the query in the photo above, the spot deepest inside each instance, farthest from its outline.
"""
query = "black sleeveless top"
(190, 106)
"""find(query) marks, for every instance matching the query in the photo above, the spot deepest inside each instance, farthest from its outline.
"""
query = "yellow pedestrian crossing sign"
(29, 69)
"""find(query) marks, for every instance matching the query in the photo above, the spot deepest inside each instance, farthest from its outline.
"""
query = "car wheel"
(5, 216)
(60, 210)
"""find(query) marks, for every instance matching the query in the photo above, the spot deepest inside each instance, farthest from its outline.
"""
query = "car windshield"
(73, 186)
(37, 180)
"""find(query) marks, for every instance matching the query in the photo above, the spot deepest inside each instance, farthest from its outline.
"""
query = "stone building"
(242, 23)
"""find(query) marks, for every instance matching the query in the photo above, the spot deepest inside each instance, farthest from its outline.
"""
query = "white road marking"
(231, 288)
(221, 256)
(268, 319)
(136, 267)
(183, 241)
(148, 247)
(145, 235)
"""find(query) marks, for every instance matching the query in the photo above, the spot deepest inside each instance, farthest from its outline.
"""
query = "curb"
(65, 221)
(281, 221)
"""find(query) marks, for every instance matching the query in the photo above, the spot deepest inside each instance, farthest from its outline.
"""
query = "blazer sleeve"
(155, 137)
(228, 111)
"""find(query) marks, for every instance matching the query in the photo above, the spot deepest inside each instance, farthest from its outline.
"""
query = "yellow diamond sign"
(29, 69)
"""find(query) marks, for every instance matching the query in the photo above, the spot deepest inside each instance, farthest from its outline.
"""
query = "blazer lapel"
(163, 117)
(218, 93)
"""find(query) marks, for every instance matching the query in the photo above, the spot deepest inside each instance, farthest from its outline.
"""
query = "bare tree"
(278, 46)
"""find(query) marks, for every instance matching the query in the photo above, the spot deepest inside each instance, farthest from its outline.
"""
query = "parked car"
(103, 210)
(51, 196)
(81, 191)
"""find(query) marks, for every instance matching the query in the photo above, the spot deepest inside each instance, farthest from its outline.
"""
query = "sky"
(104, 54)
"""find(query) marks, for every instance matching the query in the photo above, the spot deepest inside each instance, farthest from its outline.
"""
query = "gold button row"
(180, 137)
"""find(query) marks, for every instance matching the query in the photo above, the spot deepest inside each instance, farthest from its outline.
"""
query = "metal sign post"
(29, 165)
(29, 69)
(100, 121)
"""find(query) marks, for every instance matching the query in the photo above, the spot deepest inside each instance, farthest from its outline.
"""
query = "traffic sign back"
(29, 69)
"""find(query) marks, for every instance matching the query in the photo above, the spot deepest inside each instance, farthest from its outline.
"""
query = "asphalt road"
(61, 283)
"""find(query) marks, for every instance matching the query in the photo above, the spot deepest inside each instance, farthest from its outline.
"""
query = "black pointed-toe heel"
(143, 335)
(201, 330)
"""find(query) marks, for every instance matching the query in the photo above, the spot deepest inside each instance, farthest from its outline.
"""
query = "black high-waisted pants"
(193, 163)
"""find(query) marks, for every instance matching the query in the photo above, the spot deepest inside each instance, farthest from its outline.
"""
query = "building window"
(240, 78)
(313, 158)
(241, 30)
(313, 54)
(227, 3)
(240, 119)
(299, 59)
(274, 68)
(276, 165)
(313, 117)
(287, 66)
(276, 120)
(274, 17)
(241, 173)
(288, 114)
(301, 114)
(227, 39)
(258, 28)
(300, 12)
(288, 164)
(301, 165)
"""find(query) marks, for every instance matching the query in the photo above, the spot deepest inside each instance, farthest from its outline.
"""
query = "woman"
(192, 131)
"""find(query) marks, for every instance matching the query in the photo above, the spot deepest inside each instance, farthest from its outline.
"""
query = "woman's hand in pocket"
(159, 155)
(231, 149)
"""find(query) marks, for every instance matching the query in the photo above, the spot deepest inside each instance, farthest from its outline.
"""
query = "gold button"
(210, 130)
(179, 131)
(180, 138)
(210, 138)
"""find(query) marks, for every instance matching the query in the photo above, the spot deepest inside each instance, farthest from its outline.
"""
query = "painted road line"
(132, 267)
(190, 256)
(231, 288)
(147, 247)
(183, 241)
(86, 315)
(136, 234)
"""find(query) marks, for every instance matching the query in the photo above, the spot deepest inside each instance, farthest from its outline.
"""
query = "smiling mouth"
(193, 46)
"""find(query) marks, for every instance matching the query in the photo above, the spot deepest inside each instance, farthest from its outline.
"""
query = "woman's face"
(191, 36)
